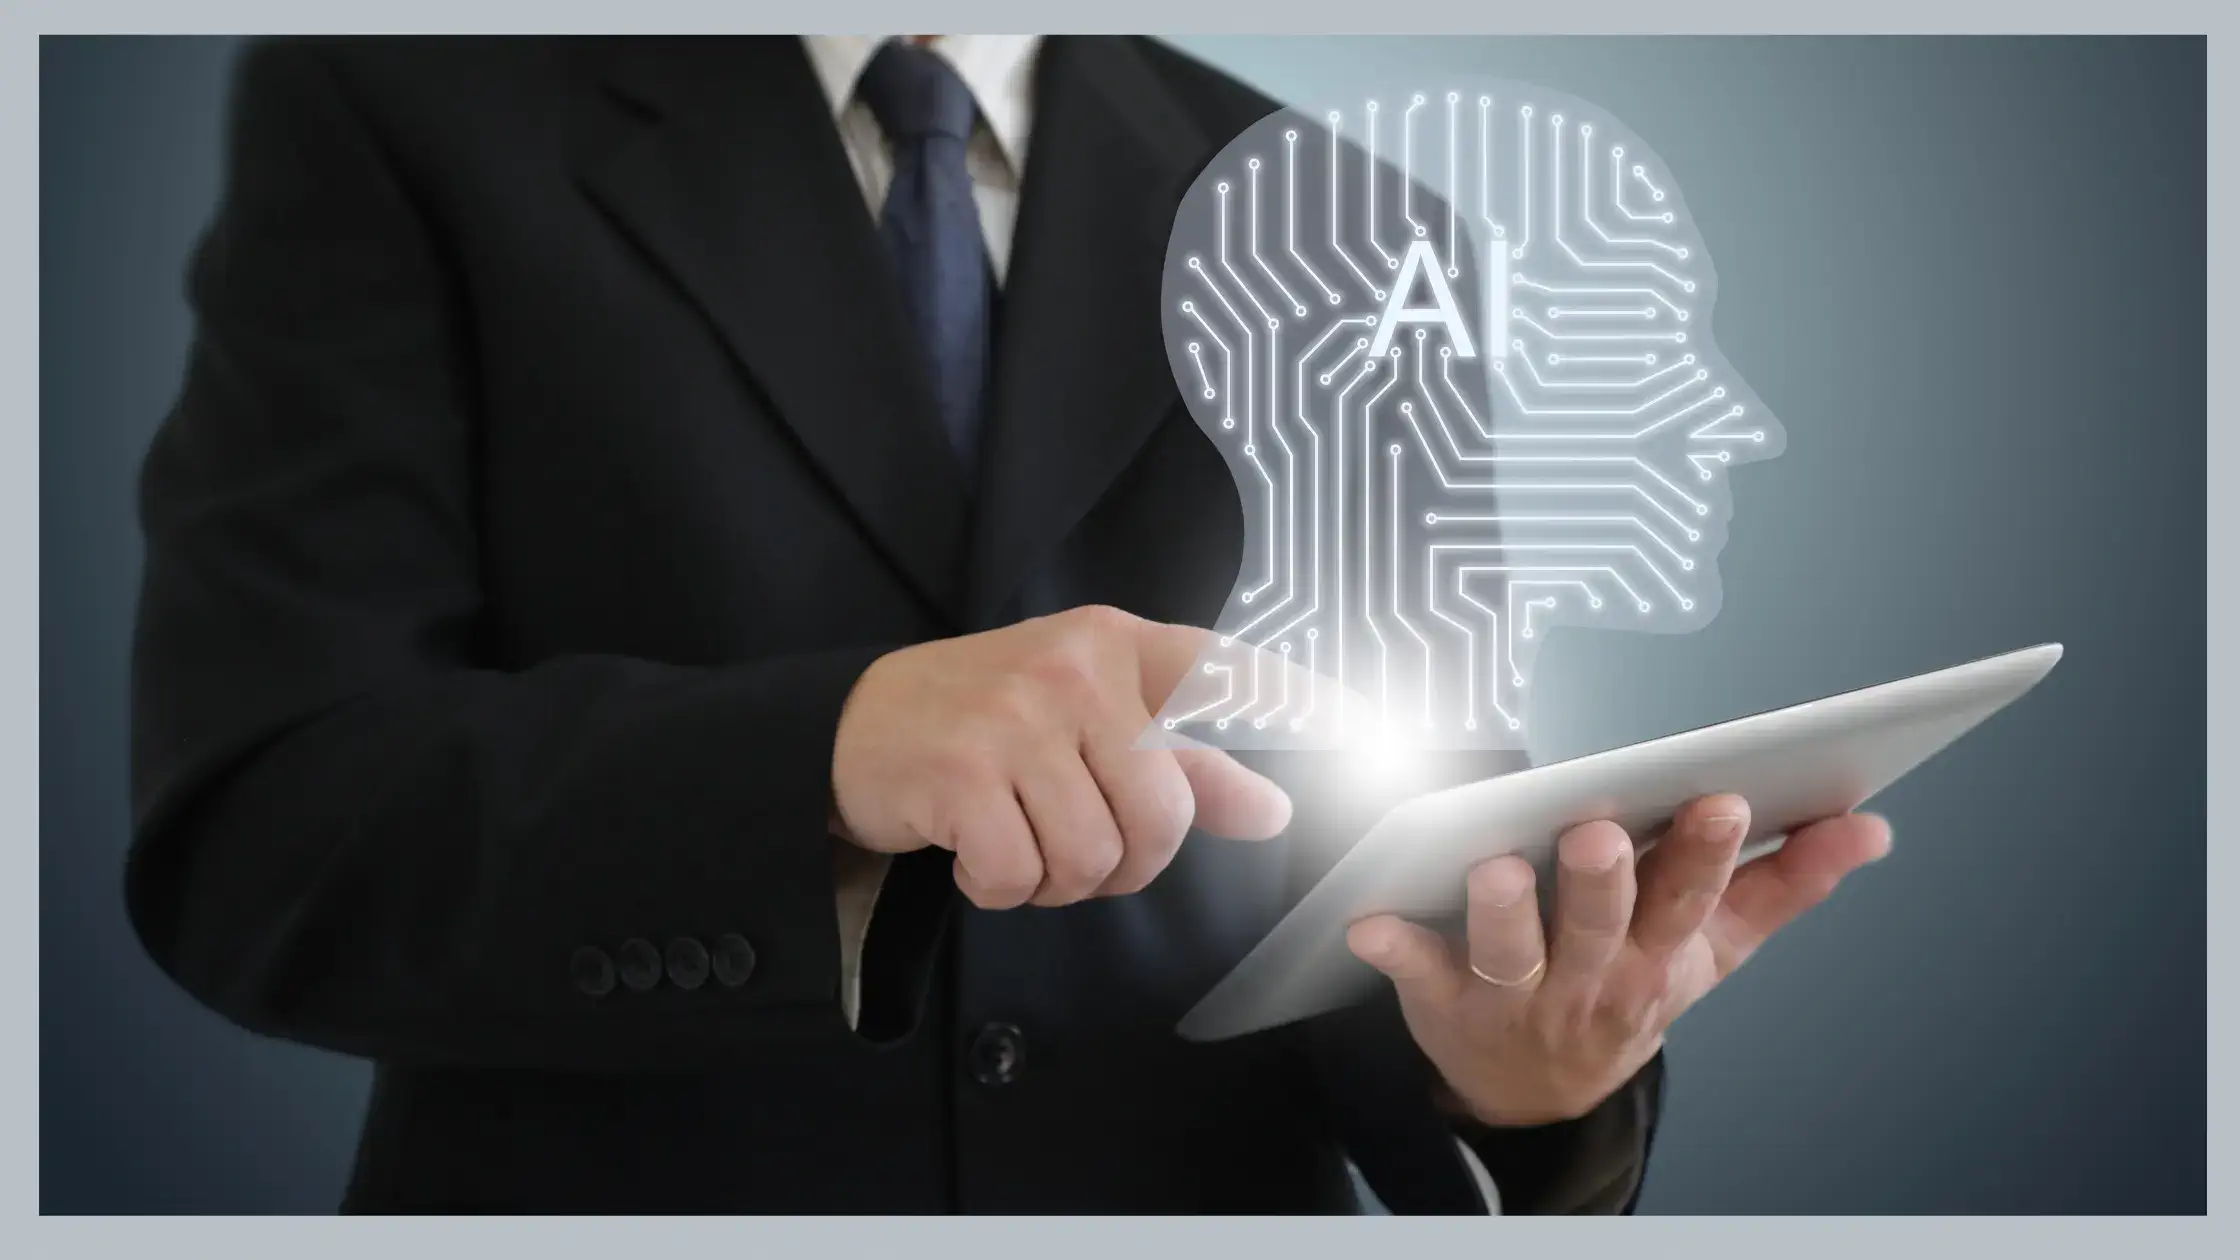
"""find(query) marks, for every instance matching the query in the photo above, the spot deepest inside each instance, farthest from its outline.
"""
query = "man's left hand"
(1530, 1026)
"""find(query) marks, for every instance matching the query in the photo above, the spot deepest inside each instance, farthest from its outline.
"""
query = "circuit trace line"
(1455, 347)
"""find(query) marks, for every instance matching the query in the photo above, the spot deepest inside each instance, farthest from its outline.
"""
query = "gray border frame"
(21, 24)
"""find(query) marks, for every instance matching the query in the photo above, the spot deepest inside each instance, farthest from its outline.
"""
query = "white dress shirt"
(1000, 71)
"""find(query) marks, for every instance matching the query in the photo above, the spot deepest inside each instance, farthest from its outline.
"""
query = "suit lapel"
(719, 158)
(1082, 378)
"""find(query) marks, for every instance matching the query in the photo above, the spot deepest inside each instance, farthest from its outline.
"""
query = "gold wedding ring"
(1526, 978)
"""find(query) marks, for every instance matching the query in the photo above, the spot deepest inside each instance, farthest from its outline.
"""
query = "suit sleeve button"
(639, 964)
(733, 960)
(592, 971)
(688, 963)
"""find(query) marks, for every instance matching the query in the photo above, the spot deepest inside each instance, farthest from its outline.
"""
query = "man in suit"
(633, 643)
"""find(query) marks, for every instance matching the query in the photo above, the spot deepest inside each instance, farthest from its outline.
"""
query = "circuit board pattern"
(1455, 348)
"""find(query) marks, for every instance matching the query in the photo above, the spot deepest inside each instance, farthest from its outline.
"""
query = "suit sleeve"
(1593, 1165)
(347, 833)
(1382, 1092)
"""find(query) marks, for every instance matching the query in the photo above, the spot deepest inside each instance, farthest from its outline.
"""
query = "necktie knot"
(915, 94)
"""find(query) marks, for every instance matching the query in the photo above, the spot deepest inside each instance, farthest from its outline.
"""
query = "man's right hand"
(1017, 750)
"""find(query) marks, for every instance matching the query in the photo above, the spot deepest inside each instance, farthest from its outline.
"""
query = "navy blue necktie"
(931, 227)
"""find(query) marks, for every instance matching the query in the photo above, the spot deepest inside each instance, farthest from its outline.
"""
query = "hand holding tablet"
(1530, 1023)
(1586, 903)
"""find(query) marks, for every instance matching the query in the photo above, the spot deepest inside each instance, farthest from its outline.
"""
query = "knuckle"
(1584, 1027)
(1108, 858)
(1157, 842)
(1662, 985)
(1006, 891)
(1158, 824)
(944, 815)
(1555, 1034)
(1637, 1002)
(1638, 1015)
(1083, 866)
(1616, 1015)
(1596, 919)
(1001, 869)
(1102, 619)
(1014, 700)
(1144, 862)
(1175, 803)
(1126, 880)
(1692, 904)
(1608, 1022)
(983, 892)
(958, 768)
(988, 898)
(1067, 664)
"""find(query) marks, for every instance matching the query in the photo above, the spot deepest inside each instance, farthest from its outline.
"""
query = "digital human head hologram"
(1455, 346)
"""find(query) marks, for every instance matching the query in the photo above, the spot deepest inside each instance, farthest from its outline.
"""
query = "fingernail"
(1501, 888)
(1723, 828)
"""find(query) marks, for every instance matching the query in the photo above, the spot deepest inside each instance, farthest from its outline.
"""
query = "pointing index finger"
(1165, 655)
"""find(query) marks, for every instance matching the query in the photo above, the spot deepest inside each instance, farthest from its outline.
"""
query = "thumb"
(1232, 802)
(1415, 958)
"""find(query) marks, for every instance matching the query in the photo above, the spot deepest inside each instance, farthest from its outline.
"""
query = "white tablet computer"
(1795, 766)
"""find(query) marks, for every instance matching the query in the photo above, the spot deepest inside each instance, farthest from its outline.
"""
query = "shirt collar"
(999, 69)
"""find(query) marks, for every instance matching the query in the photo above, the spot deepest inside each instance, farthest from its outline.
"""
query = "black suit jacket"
(551, 460)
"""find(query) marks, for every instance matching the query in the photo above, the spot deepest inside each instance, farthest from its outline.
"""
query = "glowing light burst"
(1456, 350)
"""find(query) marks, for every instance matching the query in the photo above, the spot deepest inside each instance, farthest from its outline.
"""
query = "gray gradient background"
(1966, 274)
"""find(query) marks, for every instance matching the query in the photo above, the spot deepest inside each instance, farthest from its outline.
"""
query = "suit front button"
(997, 1055)
(639, 964)
(592, 971)
(733, 960)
